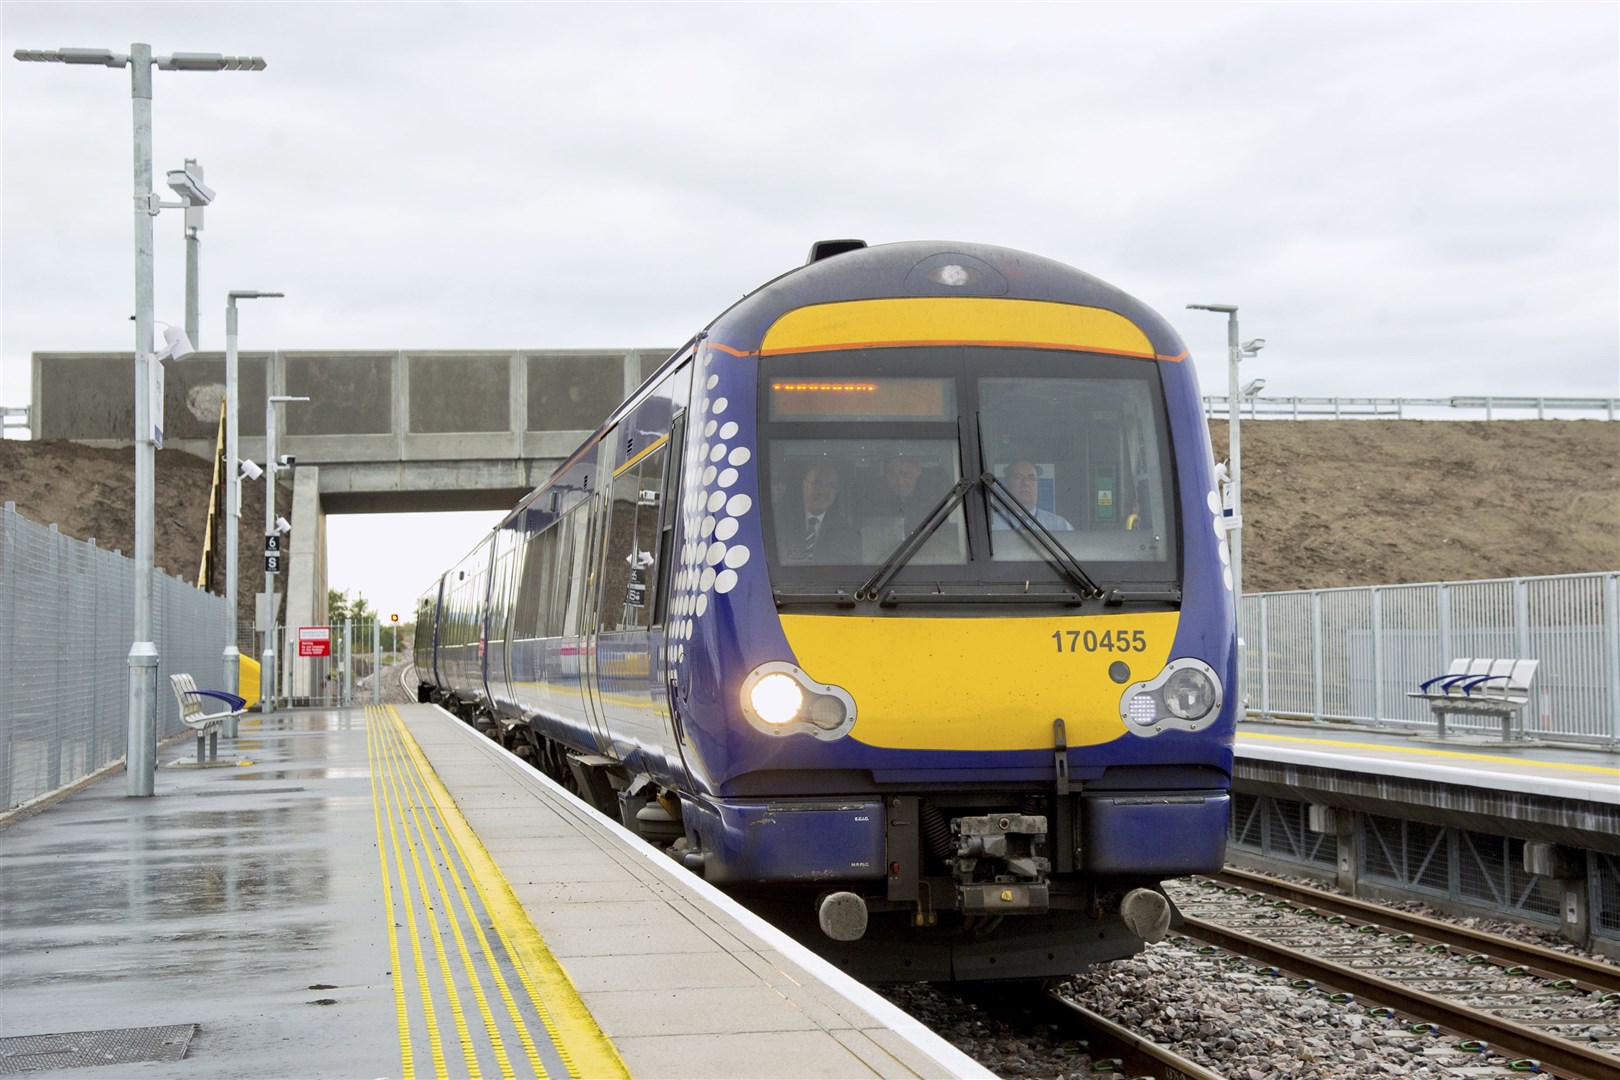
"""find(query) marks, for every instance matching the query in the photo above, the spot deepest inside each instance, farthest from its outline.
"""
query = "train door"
(664, 688)
(625, 661)
(590, 620)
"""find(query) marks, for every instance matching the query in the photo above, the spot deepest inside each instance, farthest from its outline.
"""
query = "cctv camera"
(250, 470)
(176, 346)
(190, 188)
(286, 461)
(283, 525)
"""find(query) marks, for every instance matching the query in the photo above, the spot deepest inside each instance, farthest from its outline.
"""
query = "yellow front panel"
(956, 321)
(981, 684)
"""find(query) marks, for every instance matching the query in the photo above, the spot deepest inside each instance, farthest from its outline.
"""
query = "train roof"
(929, 268)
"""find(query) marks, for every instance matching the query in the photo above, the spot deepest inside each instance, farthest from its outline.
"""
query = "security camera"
(1254, 345)
(190, 188)
(283, 525)
(286, 461)
(250, 470)
(176, 346)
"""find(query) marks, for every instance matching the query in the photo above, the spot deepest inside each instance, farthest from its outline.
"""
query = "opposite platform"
(319, 907)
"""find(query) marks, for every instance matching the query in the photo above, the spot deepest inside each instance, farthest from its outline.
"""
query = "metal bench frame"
(1480, 687)
(205, 724)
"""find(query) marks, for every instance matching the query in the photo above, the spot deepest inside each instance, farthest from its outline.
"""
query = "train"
(897, 603)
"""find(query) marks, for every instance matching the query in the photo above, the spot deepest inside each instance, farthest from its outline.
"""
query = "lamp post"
(141, 762)
(194, 195)
(1235, 352)
(273, 530)
(233, 498)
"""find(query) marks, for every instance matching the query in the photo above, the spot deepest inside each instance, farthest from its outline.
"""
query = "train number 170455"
(1123, 641)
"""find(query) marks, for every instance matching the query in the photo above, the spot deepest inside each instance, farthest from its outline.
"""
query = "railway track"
(1585, 975)
(1535, 1007)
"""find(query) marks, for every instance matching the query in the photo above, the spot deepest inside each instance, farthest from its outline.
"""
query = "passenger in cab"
(823, 536)
(1023, 479)
(899, 496)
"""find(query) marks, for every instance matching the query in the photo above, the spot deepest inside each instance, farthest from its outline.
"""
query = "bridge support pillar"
(306, 578)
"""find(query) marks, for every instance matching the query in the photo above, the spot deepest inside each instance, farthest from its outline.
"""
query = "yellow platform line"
(1500, 759)
(424, 989)
(519, 1021)
(446, 975)
(578, 1040)
(406, 1056)
(431, 831)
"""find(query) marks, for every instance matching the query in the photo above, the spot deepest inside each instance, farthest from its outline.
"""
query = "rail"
(16, 418)
(1449, 1014)
(1406, 408)
(1589, 975)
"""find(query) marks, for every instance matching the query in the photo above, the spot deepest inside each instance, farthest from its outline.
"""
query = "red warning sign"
(314, 641)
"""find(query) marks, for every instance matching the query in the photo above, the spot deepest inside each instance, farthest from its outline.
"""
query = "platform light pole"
(274, 528)
(141, 762)
(195, 195)
(1235, 352)
(233, 498)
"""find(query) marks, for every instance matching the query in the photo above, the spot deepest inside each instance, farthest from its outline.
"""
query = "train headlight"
(1189, 694)
(776, 698)
(1186, 695)
(779, 699)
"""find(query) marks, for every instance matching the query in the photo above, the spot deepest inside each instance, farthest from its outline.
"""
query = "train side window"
(669, 485)
(630, 570)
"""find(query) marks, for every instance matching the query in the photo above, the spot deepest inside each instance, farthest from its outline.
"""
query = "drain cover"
(83, 1049)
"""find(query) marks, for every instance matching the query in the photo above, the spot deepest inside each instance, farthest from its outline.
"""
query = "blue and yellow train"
(897, 601)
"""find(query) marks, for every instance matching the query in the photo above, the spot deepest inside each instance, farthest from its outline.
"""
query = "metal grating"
(1605, 878)
(1247, 824)
(1491, 869)
(87, 1049)
(1278, 828)
(1406, 853)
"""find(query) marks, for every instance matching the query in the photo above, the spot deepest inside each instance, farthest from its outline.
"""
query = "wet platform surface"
(383, 892)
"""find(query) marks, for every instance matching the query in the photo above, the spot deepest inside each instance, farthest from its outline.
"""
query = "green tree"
(339, 606)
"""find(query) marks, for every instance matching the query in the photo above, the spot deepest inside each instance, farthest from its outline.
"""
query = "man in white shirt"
(1023, 479)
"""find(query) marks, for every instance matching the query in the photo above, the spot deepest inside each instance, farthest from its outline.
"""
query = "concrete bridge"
(384, 431)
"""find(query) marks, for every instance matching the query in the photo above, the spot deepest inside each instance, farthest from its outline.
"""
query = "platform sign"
(314, 641)
(272, 562)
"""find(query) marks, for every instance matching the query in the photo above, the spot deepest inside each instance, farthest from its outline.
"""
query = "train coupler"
(1000, 865)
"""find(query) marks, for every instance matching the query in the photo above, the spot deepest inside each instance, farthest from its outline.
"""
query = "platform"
(384, 892)
(1570, 793)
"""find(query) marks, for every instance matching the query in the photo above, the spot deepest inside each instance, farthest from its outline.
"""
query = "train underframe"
(974, 887)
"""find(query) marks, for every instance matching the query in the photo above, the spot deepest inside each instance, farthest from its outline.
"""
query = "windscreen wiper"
(915, 539)
(1051, 549)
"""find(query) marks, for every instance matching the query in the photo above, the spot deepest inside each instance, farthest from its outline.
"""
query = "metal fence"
(344, 675)
(67, 611)
(1404, 408)
(1353, 654)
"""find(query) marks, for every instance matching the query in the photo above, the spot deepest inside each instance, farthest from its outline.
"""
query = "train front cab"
(1021, 710)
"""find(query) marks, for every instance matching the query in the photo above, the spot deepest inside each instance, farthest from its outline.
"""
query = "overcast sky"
(1404, 199)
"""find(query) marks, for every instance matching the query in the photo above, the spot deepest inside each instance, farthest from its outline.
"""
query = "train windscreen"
(864, 447)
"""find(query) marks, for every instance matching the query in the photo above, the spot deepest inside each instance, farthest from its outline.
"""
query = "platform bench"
(1475, 687)
(205, 724)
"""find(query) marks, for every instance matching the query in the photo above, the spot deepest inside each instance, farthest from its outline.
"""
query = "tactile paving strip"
(85, 1049)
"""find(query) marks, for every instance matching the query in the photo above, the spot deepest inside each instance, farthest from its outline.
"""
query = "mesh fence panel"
(1410, 854)
(1278, 828)
(1355, 654)
(1605, 878)
(67, 610)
